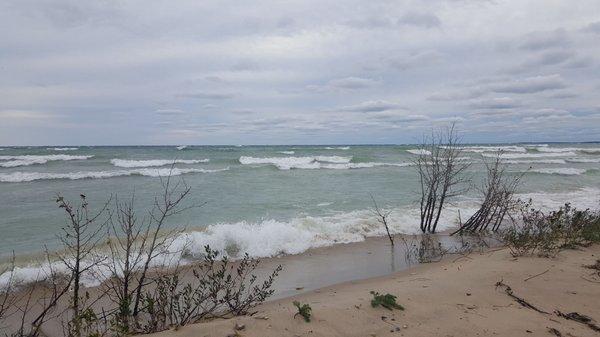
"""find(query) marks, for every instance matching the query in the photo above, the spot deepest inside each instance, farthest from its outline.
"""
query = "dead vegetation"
(441, 178)
(498, 201)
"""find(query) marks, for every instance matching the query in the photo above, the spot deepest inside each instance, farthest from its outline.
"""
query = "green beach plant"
(304, 310)
(387, 301)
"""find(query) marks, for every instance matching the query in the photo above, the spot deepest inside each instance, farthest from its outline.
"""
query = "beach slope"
(456, 297)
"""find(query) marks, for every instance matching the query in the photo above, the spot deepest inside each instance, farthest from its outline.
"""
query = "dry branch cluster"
(440, 170)
(498, 201)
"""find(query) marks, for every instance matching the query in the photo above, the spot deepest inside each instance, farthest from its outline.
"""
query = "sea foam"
(530, 155)
(62, 148)
(313, 163)
(154, 162)
(271, 237)
(567, 171)
(26, 160)
(420, 152)
(17, 177)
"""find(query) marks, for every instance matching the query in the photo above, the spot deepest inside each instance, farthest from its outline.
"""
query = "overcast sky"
(302, 72)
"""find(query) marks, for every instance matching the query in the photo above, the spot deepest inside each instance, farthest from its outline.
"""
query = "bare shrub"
(81, 238)
(424, 248)
(134, 243)
(498, 201)
(382, 218)
(440, 171)
(6, 296)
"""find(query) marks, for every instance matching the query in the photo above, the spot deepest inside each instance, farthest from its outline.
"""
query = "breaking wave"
(481, 149)
(17, 177)
(181, 147)
(26, 160)
(286, 152)
(419, 152)
(567, 171)
(344, 148)
(271, 237)
(154, 162)
(62, 148)
(530, 155)
(313, 163)
(535, 161)
(583, 160)
(590, 150)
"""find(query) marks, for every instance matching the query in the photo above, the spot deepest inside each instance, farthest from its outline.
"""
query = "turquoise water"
(266, 200)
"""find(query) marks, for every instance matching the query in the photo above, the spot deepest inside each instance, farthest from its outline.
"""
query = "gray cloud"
(496, 103)
(418, 59)
(372, 106)
(426, 20)
(207, 95)
(530, 84)
(139, 72)
(545, 40)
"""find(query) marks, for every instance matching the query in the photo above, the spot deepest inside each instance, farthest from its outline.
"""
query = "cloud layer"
(271, 72)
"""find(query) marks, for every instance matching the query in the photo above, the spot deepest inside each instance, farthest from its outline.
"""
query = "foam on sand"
(154, 162)
(26, 160)
(17, 177)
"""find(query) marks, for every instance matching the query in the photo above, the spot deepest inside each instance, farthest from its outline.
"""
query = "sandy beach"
(455, 297)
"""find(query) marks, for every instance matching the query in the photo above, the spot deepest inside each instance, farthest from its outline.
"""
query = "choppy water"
(267, 200)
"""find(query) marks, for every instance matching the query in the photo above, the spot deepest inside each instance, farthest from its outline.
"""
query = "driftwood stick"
(521, 301)
(577, 317)
(536, 275)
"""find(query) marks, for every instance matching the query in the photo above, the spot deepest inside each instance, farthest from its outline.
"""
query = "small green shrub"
(387, 301)
(304, 310)
(546, 234)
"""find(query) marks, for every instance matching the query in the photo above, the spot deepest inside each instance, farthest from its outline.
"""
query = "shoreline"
(453, 297)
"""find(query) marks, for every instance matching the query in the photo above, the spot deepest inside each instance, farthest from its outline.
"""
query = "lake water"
(268, 200)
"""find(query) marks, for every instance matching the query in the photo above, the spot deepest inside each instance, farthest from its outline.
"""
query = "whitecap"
(583, 160)
(62, 148)
(272, 237)
(26, 160)
(535, 161)
(481, 149)
(154, 162)
(16, 177)
(181, 147)
(530, 155)
(420, 152)
(286, 152)
(568, 171)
